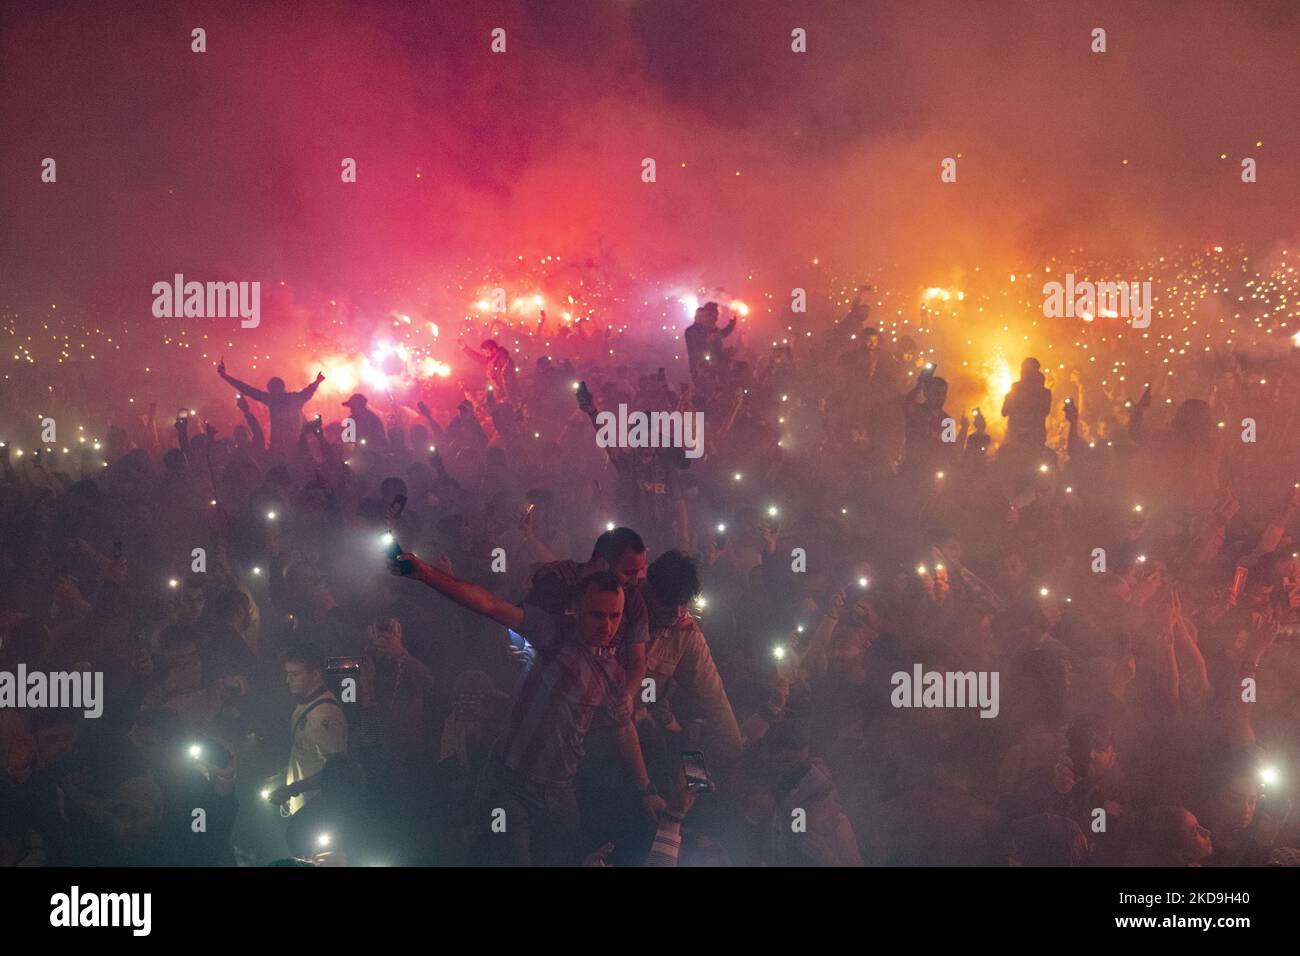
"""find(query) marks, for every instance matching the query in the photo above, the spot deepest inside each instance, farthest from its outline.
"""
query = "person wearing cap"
(370, 428)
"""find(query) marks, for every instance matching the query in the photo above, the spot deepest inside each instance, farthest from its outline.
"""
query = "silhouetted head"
(707, 314)
(936, 392)
(673, 579)
(1193, 421)
(275, 386)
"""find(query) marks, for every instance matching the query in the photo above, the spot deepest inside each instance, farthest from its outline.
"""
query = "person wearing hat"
(370, 428)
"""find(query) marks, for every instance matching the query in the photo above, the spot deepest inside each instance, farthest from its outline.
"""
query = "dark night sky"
(227, 163)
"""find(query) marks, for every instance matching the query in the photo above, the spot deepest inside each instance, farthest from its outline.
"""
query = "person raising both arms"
(285, 408)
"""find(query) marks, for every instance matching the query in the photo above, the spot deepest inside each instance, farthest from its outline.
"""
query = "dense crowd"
(638, 658)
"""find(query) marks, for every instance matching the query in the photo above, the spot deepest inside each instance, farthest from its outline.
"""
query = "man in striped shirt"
(530, 810)
(553, 587)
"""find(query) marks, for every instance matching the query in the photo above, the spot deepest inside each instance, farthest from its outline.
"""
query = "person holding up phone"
(531, 774)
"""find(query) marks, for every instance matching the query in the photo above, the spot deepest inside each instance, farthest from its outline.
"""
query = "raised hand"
(1228, 506)
(598, 857)
(838, 602)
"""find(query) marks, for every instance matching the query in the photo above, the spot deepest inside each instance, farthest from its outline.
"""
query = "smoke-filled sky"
(226, 164)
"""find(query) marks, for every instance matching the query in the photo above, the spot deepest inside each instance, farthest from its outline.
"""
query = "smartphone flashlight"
(772, 511)
(265, 794)
(196, 751)
(270, 516)
(722, 529)
(1268, 775)
(778, 652)
(324, 840)
(393, 550)
(862, 582)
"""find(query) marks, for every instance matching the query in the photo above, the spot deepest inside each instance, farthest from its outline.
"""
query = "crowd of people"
(638, 658)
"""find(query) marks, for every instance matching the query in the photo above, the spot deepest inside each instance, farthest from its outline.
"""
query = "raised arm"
(436, 430)
(310, 390)
(254, 426)
(1137, 417)
(816, 658)
(469, 596)
(254, 393)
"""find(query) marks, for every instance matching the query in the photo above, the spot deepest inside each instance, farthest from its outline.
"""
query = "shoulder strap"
(302, 718)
